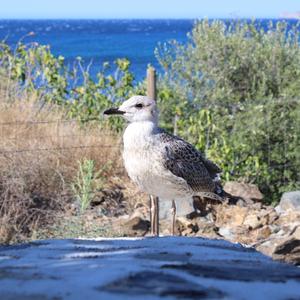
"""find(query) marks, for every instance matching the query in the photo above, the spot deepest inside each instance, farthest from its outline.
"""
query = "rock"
(263, 233)
(136, 227)
(290, 201)
(207, 229)
(267, 247)
(278, 209)
(288, 250)
(268, 215)
(274, 228)
(146, 283)
(146, 268)
(238, 234)
(296, 232)
(109, 202)
(289, 218)
(184, 227)
(252, 222)
(183, 208)
(245, 191)
(226, 233)
(257, 206)
(230, 215)
(284, 245)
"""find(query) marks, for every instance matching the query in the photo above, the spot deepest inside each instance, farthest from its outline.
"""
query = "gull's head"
(136, 109)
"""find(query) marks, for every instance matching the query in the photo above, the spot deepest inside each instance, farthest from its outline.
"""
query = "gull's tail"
(218, 194)
(211, 196)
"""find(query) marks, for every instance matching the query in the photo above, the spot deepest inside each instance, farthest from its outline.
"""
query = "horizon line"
(140, 18)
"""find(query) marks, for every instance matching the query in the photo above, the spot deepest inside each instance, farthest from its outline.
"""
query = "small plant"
(87, 182)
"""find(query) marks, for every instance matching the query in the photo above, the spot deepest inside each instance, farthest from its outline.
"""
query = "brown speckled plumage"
(184, 161)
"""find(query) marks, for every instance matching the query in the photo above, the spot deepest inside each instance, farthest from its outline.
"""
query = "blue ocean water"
(98, 41)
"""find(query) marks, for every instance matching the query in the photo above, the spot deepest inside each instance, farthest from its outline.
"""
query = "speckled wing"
(184, 161)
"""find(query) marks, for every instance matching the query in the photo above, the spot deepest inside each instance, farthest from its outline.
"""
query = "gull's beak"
(113, 111)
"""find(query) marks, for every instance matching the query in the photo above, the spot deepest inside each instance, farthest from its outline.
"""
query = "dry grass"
(39, 154)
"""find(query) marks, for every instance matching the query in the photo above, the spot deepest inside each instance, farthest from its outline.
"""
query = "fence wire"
(13, 135)
(58, 121)
(17, 137)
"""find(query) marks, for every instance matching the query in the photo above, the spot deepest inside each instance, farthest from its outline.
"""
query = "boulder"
(288, 250)
(226, 233)
(245, 191)
(290, 201)
(268, 215)
(230, 215)
(252, 221)
(207, 229)
(288, 217)
(283, 245)
(148, 268)
(263, 233)
(136, 227)
(183, 208)
(296, 232)
(238, 234)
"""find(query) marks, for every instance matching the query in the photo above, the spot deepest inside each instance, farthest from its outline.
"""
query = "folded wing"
(184, 161)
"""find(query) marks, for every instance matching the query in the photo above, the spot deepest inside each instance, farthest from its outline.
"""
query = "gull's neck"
(138, 132)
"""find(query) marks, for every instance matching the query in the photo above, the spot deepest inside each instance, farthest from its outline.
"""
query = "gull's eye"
(139, 105)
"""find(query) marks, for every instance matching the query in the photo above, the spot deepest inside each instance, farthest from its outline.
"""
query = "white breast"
(143, 163)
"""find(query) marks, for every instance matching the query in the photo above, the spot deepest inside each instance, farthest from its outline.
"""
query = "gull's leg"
(154, 215)
(151, 215)
(173, 211)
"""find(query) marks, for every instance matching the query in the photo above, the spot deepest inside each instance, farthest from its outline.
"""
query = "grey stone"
(183, 208)
(290, 201)
(288, 250)
(226, 233)
(150, 268)
(136, 226)
(252, 221)
(146, 283)
(248, 192)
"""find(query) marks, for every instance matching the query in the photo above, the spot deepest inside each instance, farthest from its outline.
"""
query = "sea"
(99, 41)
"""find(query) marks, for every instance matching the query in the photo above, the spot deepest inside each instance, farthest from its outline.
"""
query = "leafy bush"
(38, 71)
(233, 90)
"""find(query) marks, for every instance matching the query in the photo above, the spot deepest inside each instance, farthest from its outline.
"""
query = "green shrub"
(38, 71)
(233, 90)
(87, 183)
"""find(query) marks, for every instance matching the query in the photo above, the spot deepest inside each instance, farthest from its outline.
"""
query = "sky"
(45, 9)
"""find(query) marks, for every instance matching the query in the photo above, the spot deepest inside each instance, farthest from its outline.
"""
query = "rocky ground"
(217, 255)
(148, 268)
(274, 231)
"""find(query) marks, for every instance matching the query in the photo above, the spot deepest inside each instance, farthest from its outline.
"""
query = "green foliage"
(234, 91)
(87, 182)
(38, 71)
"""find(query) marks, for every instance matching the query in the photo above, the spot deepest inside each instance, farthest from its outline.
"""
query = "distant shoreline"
(292, 17)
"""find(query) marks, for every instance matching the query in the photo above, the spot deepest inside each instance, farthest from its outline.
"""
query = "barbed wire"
(21, 138)
(56, 148)
(41, 137)
(58, 121)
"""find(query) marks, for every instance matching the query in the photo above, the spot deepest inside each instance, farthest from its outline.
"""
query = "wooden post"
(151, 83)
(154, 205)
